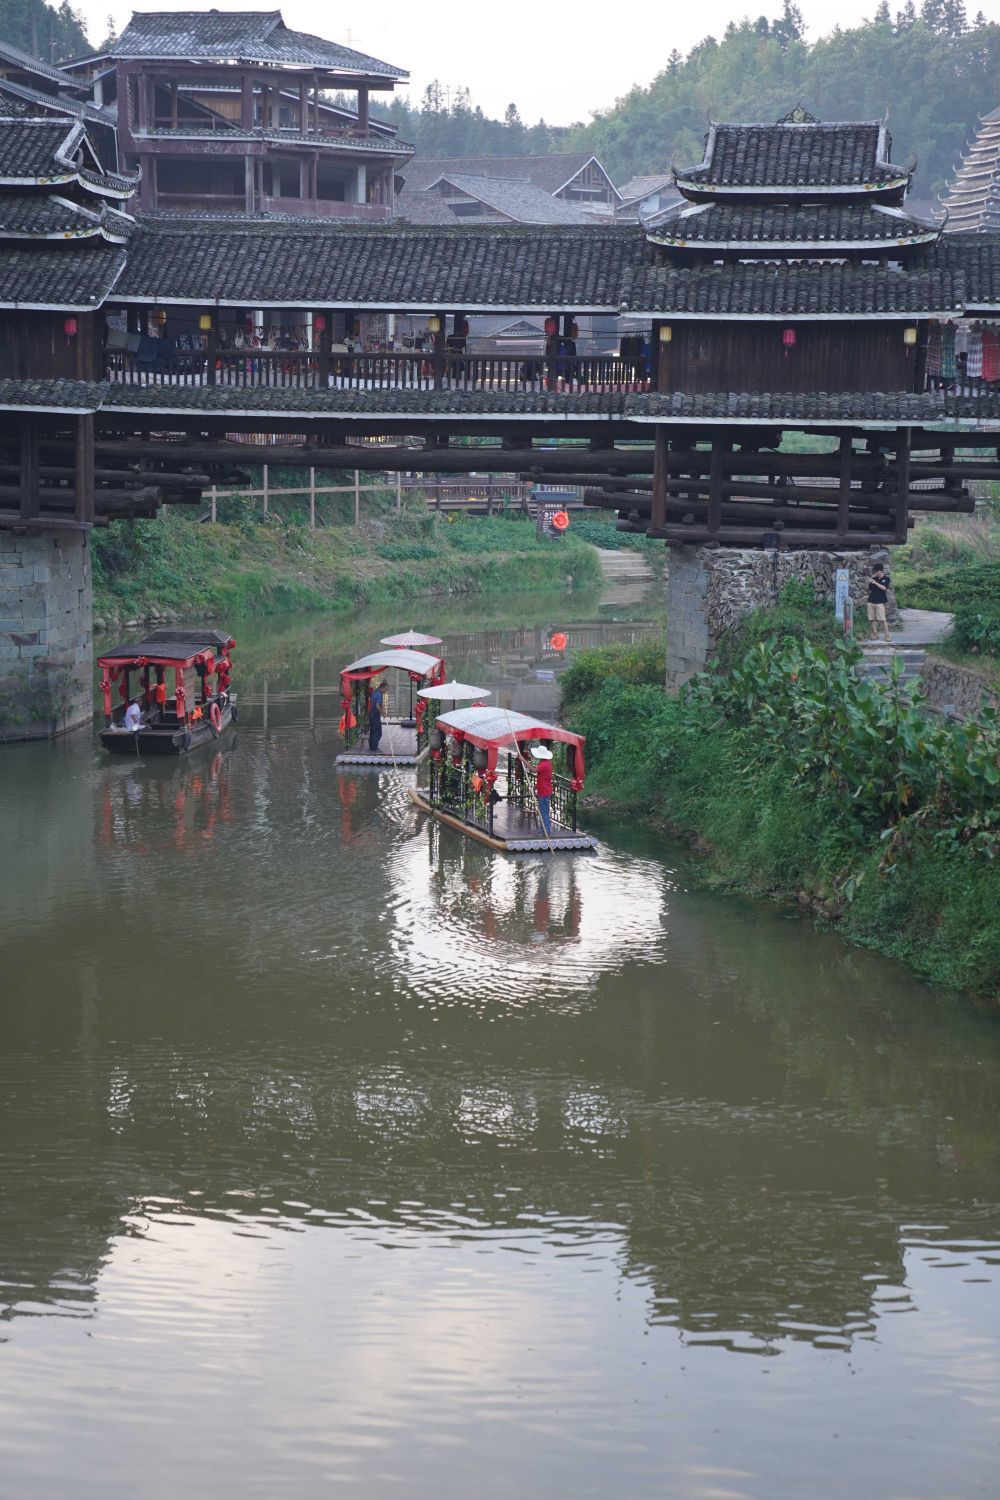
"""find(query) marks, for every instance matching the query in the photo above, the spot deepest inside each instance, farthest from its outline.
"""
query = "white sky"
(552, 60)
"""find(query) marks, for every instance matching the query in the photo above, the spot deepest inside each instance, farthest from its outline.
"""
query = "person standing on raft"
(375, 718)
(543, 785)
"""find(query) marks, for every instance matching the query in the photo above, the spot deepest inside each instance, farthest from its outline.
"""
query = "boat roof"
(403, 659)
(170, 646)
(501, 726)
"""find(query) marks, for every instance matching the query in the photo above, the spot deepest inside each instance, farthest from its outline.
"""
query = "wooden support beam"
(660, 463)
(737, 512)
(754, 537)
(715, 484)
(844, 497)
(902, 484)
(83, 477)
(28, 489)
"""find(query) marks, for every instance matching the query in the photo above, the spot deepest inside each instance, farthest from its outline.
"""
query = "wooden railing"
(389, 370)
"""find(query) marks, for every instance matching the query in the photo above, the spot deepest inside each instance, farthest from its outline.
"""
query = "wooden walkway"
(397, 747)
(513, 831)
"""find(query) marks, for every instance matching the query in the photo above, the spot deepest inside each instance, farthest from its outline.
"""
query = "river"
(341, 1156)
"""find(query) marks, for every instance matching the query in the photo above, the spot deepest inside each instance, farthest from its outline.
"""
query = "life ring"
(215, 719)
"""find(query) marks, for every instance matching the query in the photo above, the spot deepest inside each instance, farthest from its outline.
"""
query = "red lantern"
(319, 323)
(551, 326)
(560, 520)
(69, 327)
(788, 339)
(558, 641)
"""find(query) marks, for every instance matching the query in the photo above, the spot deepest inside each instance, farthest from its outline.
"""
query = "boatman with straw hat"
(543, 784)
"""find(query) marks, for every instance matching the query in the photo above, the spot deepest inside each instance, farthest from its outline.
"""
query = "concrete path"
(920, 627)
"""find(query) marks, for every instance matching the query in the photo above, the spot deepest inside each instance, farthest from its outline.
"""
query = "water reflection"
(498, 1162)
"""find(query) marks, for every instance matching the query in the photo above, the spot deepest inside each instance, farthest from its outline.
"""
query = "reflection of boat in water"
(152, 809)
(195, 714)
(463, 793)
(399, 739)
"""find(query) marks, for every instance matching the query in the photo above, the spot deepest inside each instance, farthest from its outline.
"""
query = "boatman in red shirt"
(543, 785)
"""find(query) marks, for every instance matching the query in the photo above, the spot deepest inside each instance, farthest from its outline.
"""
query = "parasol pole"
(534, 795)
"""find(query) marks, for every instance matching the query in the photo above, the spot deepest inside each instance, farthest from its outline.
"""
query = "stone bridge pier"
(710, 588)
(46, 633)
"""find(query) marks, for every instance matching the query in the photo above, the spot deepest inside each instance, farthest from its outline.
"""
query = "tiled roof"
(51, 104)
(515, 198)
(504, 266)
(108, 184)
(547, 172)
(976, 258)
(66, 277)
(52, 395)
(644, 186)
(830, 224)
(34, 150)
(971, 197)
(423, 208)
(33, 215)
(878, 407)
(305, 401)
(793, 155)
(257, 36)
(808, 290)
(24, 61)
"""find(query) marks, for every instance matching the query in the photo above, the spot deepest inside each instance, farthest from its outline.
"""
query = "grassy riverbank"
(252, 564)
(800, 781)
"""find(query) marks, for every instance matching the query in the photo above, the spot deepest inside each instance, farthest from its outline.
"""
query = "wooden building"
(790, 291)
(972, 201)
(229, 112)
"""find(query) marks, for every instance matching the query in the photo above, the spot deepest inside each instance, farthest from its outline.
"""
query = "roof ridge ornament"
(798, 116)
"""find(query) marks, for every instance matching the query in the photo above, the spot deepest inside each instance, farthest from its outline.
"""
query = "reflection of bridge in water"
(520, 667)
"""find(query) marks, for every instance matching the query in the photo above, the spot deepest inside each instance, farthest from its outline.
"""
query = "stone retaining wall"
(710, 588)
(46, 656)
(956, 690)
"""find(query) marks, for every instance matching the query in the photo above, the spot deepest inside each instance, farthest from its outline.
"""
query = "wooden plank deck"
(513, 831)
(397, 747)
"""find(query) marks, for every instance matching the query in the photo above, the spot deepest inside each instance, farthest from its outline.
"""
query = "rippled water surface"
(341, 1156)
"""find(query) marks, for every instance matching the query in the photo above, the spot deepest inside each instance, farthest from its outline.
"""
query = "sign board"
(842, 590)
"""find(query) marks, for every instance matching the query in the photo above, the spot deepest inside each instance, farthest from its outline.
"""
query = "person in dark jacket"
(375, 717)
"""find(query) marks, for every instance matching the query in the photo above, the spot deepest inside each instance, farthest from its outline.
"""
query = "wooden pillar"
(363, 110)
(312, 503)
(83, 468)
(844, 492)
(249, 173)
(357, 497)
(31, 502)
(439, 338)
(658, 513)
(265, 105)
(246, 102)
(661, 359)
(211, 349)
(715, 482)
(303, 106)
(173, 104)
(903, 484)
(265, 488)
(325, 340)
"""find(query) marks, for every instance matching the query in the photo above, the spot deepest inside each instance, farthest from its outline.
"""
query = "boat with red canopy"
(401, 735)
(178, 681)
(484, 780)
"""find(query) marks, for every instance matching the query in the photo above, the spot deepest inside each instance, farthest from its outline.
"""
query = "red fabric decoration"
(106, 693)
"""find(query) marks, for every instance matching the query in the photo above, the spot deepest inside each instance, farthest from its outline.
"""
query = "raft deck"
(513, 830)
(397, 747)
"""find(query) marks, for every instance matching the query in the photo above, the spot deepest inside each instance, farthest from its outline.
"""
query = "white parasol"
(454, 692)
(410, 638)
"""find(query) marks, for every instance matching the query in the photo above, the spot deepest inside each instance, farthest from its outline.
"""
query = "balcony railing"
(398, 371)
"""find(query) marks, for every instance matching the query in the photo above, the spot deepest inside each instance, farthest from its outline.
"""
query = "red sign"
(560, 520)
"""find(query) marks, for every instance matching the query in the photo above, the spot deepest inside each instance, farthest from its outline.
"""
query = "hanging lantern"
(551, 326)
(205, 322)
(666, 333)
(159, 317)
(788, 339)
(69, 327)
(909, 336)
(433, 323)
(319, 323)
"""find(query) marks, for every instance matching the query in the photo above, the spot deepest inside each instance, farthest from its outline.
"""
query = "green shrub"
(641, 662)
(977, 630)
(952, 588)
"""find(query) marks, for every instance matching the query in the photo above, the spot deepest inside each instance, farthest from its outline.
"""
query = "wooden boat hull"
(169, 740)
(560, 841)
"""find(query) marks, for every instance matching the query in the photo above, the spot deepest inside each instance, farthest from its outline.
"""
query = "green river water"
(340, 1156)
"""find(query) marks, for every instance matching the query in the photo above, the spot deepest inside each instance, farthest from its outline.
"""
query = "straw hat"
(540, 752)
